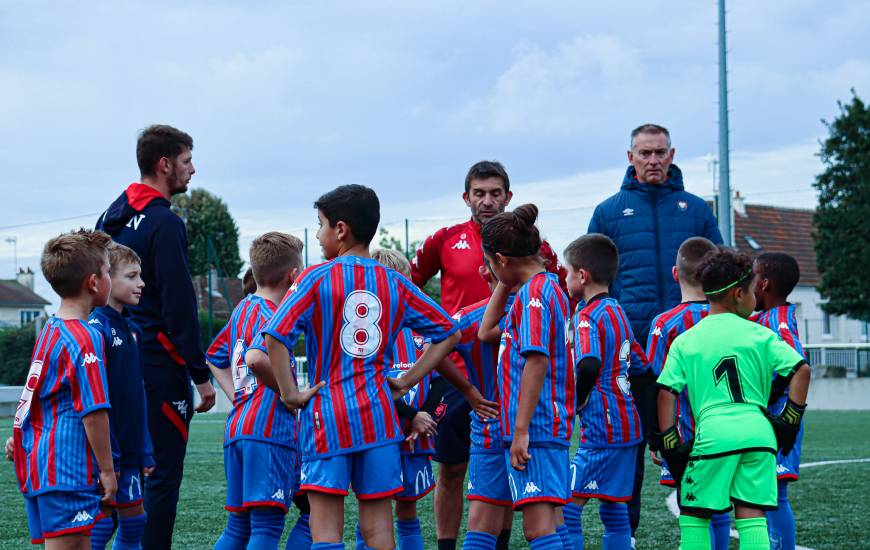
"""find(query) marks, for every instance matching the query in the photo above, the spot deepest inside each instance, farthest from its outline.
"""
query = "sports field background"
(832, 505)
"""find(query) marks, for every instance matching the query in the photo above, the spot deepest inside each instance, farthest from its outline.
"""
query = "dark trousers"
(645, 394)
(170, 408)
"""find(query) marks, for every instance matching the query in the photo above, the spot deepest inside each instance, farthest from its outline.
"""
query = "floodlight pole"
(724, 210)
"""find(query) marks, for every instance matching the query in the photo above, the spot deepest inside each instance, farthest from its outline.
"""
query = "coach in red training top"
(457, 253)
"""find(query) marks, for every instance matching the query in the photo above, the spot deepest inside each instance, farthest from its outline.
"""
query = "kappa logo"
(94, 321)
(81, 516)
(628, 212)
(535, 302)
(691, 497)
(278, 495)
(657, 331)
(302, 475)
(89, 359)
(470, 486)
(591, 486)
(461, 245)
(182, 407)
(117, 342)
(531, 488)
(457, 316)
(783, 326)
(689, 480)
(683, 205)
(780, 469)
(583, 324)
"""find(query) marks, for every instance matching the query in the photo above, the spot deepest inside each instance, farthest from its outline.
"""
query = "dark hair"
(357, 206)
(782, 270)
(689, 256)
(595, 253)
(120, 254)
(249, 285)
(721, 270)
(486, 169)
(70, 258)
(158, 141)
(273, 254)
(512, 233)
(649, 129)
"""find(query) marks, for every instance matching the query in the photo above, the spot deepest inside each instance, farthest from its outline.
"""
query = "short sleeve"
(657, 346)
(535, 321)
(423, 315)
(258, 343)
(673, 376)
(790, 338)
(89, 384)
(783, 357)
(467, 330)
(295, 311)
(586, 338)
(218, 353)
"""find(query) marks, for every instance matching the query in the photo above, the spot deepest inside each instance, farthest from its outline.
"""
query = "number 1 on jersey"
(727, 368)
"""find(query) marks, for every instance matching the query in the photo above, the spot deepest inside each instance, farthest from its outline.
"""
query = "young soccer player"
(536, 379)
(352, 310)
(129, 415)
(726, 363)
(663, 330)
(261, 433)
(778, 273)
(604, 464)
(62, 443)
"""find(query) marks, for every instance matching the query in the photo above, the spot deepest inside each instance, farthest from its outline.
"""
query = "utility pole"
(724, 210)
(14, 242)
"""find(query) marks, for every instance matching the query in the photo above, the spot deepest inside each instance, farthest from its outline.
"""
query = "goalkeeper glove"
(668, 444)
(786, 425)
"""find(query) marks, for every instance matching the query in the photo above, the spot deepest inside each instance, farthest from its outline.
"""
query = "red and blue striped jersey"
(481, 365)
(257, 410)
(66, 382)
(609, 417)
(538, 323)
(409, 348)
(783, 321)
(664, 328)
(352, 310)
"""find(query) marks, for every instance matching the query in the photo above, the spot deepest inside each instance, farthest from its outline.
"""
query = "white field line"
(831, 462)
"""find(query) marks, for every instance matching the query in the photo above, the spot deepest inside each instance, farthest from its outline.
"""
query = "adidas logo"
(278, 495)
(535, 302)
(82, 516)
(461, 245)
(117, 342)
(591, 486)
(531, 488)
(628, 212)
(90, 358)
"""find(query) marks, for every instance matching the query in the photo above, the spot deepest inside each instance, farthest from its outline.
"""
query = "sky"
(286, 100)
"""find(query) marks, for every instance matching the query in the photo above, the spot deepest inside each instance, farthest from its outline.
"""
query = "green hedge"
(16, 348)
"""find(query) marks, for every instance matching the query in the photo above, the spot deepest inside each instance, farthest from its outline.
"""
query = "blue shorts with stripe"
(604, 473)
(259, 474)
(129, 487)
(788, 467)
(58, 513)
(545, 478)
(417, 477)
(373, 473)
(488, 477)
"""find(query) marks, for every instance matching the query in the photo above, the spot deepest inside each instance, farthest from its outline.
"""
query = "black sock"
(504, 540)
(446, 544)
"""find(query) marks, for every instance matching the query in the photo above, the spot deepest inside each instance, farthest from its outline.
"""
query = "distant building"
(225, 292)
(19, 304)
(759, 229)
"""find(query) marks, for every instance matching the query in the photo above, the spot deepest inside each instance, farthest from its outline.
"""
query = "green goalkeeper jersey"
(727, 364)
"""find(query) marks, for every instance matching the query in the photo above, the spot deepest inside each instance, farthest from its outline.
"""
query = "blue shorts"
(606, 473)
(788, 467)
(258, 474)
(58, 513)
(453, 441)
(373, 473)
(545, 478)
(488, 478)
(665, 478)
(417, 477)
(129, 487)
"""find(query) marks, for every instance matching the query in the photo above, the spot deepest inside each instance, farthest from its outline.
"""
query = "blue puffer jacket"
(648, 223)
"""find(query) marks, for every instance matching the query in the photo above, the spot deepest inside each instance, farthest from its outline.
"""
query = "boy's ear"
(291, 276)
(501, 259)
(675, 274)
(91, 283)
(342, 230)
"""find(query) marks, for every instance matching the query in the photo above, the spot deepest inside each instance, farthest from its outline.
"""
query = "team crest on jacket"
(683, 205)
(418, 343)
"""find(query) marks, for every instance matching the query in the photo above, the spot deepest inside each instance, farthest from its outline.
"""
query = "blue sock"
(720, 531)
(547, 542)
(617, 532)
(565, 535)
(102, 532)
(266, 529)
(410, 536)
(573, 515)
(130, 532)
(478, 540)
(327, 546)
(300, 536)
(236, 534)
(780, 522)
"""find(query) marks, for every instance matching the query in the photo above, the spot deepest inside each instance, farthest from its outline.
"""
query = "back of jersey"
(726, 363)
(351, 311)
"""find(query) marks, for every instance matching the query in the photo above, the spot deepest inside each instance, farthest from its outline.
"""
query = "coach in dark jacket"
(648, 219)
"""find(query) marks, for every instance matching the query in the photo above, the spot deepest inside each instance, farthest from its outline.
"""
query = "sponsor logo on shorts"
(278, 495)
(780, 469)
(82, 516)
(531, 488)
(690, 497)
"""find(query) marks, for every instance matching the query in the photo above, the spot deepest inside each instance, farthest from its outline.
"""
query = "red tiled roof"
(227, 288)
(777, 229)
(13, 293)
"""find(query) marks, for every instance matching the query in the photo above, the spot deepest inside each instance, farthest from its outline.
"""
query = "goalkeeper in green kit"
(726, 363)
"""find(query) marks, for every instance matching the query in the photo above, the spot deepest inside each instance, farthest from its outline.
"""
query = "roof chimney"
(25, 277)
(739, 205)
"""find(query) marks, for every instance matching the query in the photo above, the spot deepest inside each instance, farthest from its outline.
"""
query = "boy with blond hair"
(62, 444)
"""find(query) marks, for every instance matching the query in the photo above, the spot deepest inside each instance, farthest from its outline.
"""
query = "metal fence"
(839, 360)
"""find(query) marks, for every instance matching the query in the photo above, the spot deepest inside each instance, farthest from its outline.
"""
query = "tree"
(207, 219)
(841, 220)
(433, 286)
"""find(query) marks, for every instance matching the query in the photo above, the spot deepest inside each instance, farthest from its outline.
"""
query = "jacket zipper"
(655, 206)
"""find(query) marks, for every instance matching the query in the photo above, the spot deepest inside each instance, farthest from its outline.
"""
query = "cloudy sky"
(286, 100)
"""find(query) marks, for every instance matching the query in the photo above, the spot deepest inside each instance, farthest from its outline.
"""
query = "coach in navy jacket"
(648, 219)
(167, 314)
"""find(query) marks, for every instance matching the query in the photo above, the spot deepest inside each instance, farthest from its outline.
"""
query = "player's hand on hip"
(397, 388)
(483, 407)
(423, 424)
(10, 449)
(108, 486)
(654, 456)
(207, 397)
(520, 451)
(298, 399)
